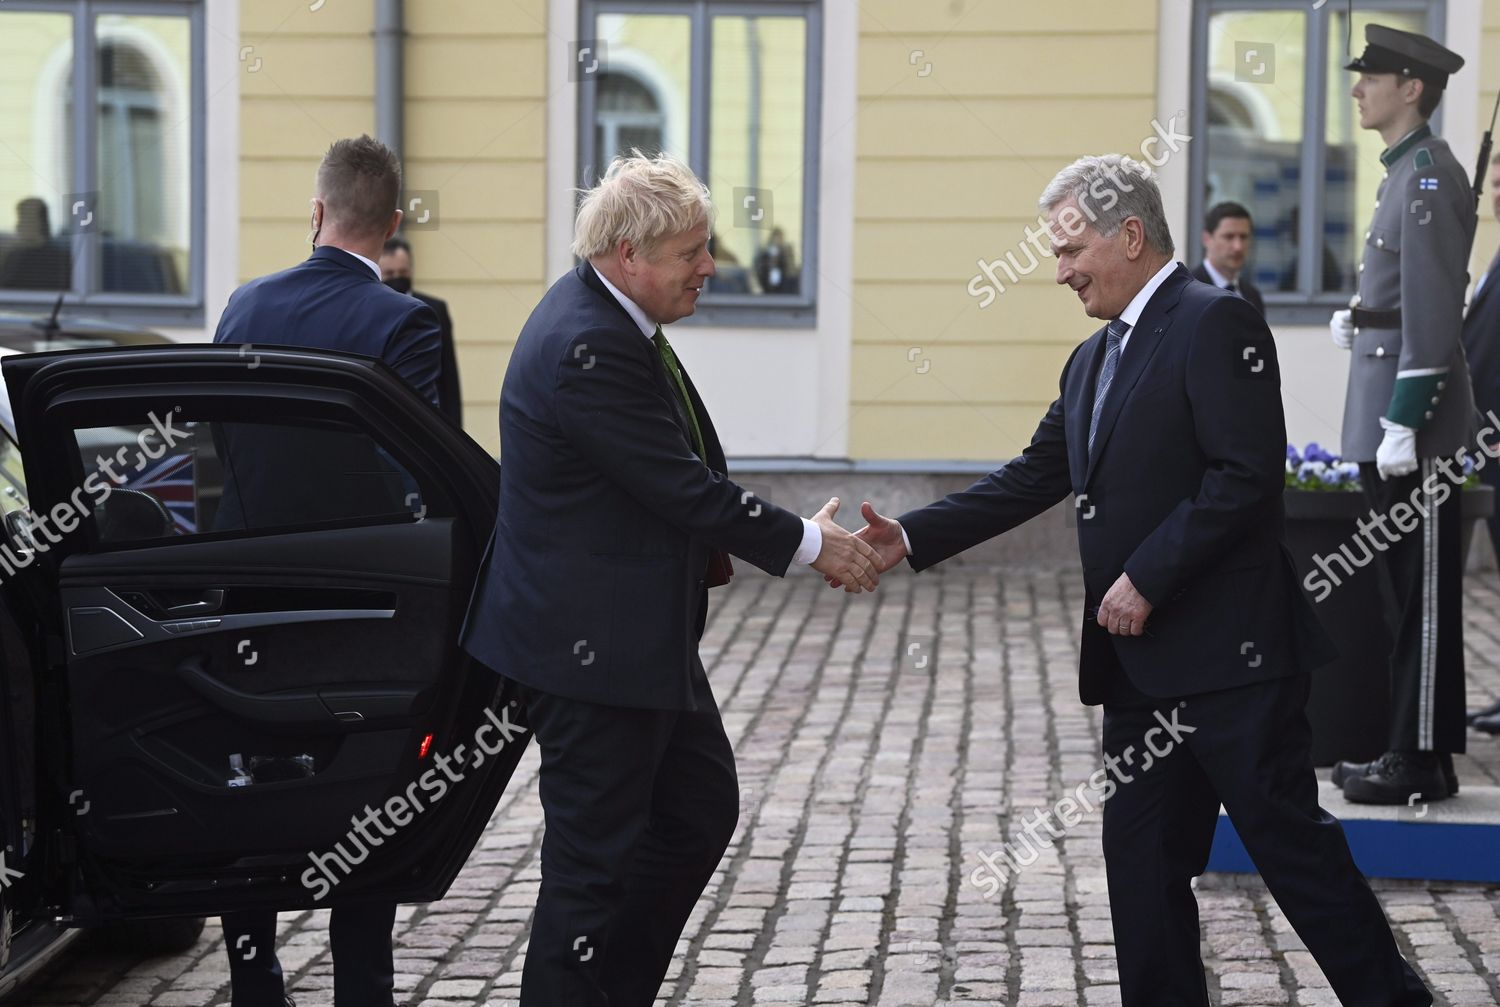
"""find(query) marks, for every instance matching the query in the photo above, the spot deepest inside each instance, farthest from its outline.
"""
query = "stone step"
(1457, 839)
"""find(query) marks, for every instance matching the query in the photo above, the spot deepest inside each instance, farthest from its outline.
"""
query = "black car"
(229, 628)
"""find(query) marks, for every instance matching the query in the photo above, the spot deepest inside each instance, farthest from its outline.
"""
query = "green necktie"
(675, 370)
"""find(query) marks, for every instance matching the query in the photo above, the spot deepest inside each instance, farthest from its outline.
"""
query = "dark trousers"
(364, 972)
(1424, 573)
(1490, 476)
(1249, 749)
(639, 807)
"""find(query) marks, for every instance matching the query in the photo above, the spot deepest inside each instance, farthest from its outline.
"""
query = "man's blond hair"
(641, 200)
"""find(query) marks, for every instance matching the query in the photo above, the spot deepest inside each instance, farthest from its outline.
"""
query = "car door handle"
(319, 708)
(212, 601)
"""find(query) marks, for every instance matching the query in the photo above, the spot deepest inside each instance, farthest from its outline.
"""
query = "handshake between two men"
(855, 562)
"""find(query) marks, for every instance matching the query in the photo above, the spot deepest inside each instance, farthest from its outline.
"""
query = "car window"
(179, 478)
(12, 476)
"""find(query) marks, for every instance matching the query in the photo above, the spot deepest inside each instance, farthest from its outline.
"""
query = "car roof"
(29, 334)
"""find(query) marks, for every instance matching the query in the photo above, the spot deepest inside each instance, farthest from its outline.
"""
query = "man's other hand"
(844, 561)
(1124, 611)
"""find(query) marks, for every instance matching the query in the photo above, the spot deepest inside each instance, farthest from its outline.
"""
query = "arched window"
(627, 115)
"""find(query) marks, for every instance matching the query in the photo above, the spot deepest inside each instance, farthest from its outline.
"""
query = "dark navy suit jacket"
(1482, 341)
(595, 584)
(1182, 491)
(332, 301)
(1248, 290)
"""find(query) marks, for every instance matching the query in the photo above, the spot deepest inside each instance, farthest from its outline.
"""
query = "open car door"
(252, 566)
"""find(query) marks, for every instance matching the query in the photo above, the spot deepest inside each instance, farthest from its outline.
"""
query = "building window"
(732, 89)
(100, 199)
(1279, 133)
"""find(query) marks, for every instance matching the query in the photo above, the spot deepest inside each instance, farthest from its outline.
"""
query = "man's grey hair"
(1108, 190)
(642, 200)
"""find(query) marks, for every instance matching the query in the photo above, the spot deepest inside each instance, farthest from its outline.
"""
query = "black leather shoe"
(1343, 770)
(1489, 725)
(1399, 778)
(1492, 710)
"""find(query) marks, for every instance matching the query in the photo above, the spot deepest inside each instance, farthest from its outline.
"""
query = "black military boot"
(1493, 710)
(1343, 770)
(1399, 778)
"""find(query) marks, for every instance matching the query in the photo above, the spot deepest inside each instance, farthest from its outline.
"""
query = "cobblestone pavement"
(881, 743)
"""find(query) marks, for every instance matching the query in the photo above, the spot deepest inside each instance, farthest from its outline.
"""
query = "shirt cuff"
(904, 540)
(812, 543)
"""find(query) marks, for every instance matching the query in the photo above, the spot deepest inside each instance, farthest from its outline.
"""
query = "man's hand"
(1123, 611)
(1341, 328)
(844, 560)
(884, 535)
(1397, 454)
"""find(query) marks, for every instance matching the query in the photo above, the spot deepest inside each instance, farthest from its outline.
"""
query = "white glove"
(1341, 327)
(1397, 454)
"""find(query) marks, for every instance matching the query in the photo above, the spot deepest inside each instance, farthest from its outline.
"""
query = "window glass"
(144, 209)
(642, 88)
(36, 57)
(756, 157)
(1255, 98)
(161, 480)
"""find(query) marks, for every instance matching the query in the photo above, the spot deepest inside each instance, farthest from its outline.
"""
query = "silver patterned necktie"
(1113, 336)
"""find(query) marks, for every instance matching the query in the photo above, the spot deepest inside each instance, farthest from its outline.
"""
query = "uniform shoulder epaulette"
(1423, 158)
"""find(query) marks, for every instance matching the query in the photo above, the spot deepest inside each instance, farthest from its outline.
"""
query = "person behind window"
(35, 260)
(776, 266)
(396, 263)
(1227, 235)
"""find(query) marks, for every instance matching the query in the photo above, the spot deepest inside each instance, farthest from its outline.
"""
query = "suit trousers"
(1490, 476)
(1249, 748)
(639, 805)
(1423, 571)
(364, 972)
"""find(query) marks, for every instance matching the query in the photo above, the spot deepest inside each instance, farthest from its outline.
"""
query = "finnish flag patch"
(1427, 183)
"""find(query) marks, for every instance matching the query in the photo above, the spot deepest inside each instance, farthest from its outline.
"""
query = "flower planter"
(1350, 700)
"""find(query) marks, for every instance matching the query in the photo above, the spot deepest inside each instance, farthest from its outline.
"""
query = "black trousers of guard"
(1423, 570)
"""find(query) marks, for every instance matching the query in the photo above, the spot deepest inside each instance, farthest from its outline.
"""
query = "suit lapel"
(1081, 396)
(711, 446)
(664, 382)
(1140, 347)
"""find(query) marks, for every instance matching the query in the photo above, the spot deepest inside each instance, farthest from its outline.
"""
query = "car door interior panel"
(183, 714)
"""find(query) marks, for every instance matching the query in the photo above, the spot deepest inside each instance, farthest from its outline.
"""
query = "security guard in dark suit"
(1409, 412)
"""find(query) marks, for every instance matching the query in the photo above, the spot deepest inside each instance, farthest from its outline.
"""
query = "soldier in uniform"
(1409, 412)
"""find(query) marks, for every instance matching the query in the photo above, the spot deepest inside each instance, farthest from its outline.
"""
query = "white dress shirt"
(1132, 312)
(1220, 280)
(812, 535)
(373, 266)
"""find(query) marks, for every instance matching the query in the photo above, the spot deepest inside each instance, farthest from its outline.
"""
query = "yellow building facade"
(938, 125)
